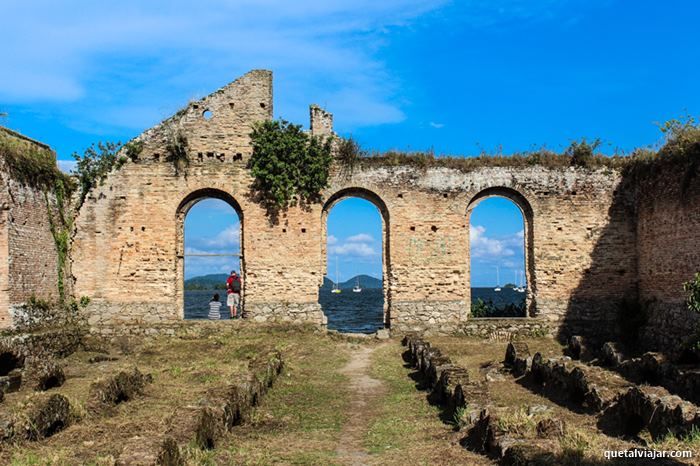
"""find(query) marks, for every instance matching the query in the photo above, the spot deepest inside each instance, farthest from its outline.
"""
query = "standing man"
(233, 290)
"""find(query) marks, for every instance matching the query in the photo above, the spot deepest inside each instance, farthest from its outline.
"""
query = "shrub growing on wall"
(177, 150)
(30, 165)
(288, 164)
(692, 288)
(582, 153)
(95, 164)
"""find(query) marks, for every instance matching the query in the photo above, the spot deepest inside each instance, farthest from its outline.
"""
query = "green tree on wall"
(288, 165)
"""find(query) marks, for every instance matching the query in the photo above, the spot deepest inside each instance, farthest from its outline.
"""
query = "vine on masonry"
(288, 165)
(60, 227)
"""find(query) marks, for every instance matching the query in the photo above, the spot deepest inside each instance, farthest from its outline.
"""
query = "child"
(215, 308)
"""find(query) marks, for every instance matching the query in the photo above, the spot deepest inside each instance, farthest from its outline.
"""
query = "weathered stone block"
(201, 425)
(42, 416)
(12, 381)
(119, 388)
(576, 347)
(44, 374)
(150, 451)
(655, 409)
(613, 354)
(521, 366)
(515, 350)
(528, 454)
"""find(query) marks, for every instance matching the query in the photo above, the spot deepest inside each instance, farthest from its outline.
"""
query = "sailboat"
(356, 288)
(521, 287)
(498, 280)
(336, 286)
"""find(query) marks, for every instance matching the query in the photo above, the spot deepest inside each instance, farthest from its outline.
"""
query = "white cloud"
(227, 238)
(357, 246)
(437, 125)
(353, 249)
(483, 246)
(360, 238)
(120, 64)
(197, 265)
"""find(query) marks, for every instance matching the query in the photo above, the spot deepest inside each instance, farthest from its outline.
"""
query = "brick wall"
(668, 250)
(28, 259)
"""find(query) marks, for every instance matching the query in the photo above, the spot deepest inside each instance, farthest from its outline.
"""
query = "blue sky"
(496, 243)
(211, 227)
(454, 76)
(354, 239)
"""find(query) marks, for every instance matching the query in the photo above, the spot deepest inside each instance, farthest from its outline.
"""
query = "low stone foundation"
(676, 320)
(309, 313)
(157, 318)
(102, 313)
(55, 342)
(427, 316)
(507, 329)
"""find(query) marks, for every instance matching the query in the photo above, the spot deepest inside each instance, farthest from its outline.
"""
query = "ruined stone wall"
(668, 250)
(591, 237)
(28, 258)
(128, 249)
(579, 241)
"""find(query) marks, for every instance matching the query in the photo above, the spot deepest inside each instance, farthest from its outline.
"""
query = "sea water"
(347, 311)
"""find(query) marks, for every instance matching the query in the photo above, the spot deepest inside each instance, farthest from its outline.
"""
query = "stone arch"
(378, 202)
(181, 214)
(525, 208)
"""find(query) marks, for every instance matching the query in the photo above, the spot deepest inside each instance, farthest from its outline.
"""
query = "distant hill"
(366, 282)
(215, 281)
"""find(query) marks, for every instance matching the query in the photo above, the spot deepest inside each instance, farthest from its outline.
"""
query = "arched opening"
(354, 293)
(210, 248)
(501, 273)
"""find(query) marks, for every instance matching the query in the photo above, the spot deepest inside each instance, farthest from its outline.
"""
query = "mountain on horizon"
(214, 281)
(366, 282)
(217, 281)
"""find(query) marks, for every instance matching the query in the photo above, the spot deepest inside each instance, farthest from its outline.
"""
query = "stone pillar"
(321, 121)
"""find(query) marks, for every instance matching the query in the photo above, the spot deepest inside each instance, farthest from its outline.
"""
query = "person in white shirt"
(215, 308)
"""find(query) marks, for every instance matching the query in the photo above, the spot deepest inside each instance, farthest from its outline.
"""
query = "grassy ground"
(303, 419)
(299, 419)
(407, 427)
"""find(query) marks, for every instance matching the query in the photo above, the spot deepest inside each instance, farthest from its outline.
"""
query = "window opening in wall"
(212, 251)
(352, 295)
(497, 252)
(207, 114)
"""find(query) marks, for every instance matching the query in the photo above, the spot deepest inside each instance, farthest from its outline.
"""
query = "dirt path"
(366, 392)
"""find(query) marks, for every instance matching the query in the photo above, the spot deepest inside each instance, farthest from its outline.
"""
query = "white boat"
(356, 288)
(521, 288)
(336, 287)
(498, 280)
